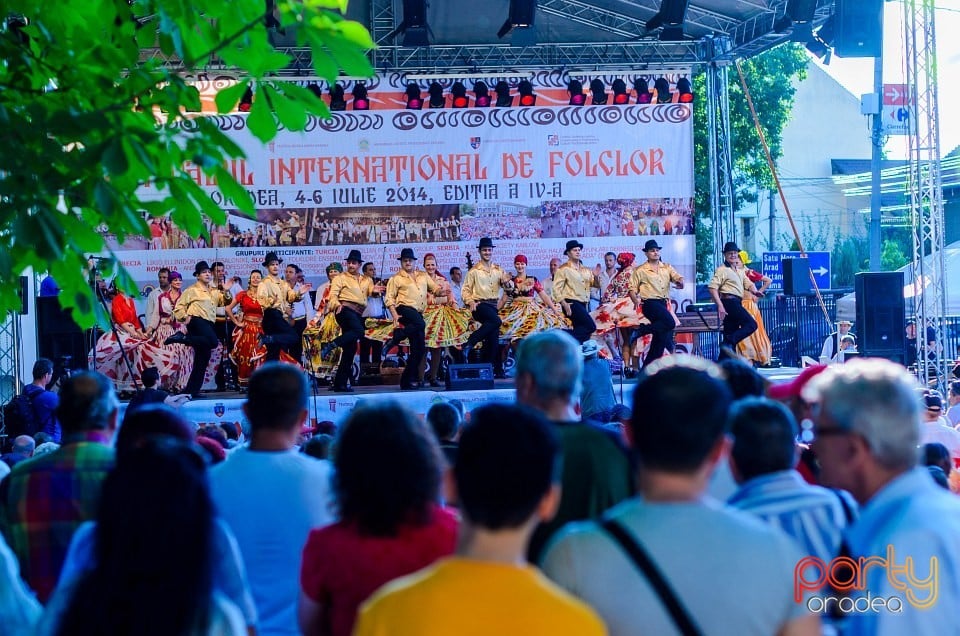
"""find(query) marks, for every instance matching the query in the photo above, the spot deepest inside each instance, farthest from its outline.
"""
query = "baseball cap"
(794, 388)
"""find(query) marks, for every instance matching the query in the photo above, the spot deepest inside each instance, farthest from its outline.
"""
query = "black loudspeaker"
(796, 276)
(881, 321)
(58, 335)
(523, 12)
(53, 319)
(470, 377)
(858, 28)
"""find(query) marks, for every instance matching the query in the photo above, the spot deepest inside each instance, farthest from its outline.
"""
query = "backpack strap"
(641, 559)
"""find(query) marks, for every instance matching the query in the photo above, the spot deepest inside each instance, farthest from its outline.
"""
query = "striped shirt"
(813, 516)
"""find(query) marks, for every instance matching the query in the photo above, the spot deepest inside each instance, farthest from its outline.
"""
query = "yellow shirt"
(409, 290)
(648, 283)
(573, 282)
(200, 301)
(727, 280)
(275, 293)
(350, 288)
(467, 597)
(482, 283)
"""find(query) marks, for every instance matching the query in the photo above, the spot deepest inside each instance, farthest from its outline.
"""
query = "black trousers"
(296, 349)
(370, 351)
(661, 327)
(738, 324)
(488, 334)
(413, 328)
(202, 337)
(284, 336)
(351, 324)
(583, 325)
(223, 329)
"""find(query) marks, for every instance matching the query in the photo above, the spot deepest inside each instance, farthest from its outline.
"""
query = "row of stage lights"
(502, 98)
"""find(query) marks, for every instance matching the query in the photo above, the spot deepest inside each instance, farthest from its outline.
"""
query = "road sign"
(819, 265)
(896, 110)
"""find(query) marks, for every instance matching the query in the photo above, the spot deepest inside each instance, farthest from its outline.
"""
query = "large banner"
(438, 180)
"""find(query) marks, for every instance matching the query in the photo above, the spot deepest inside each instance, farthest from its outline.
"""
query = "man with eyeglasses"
(866, 429)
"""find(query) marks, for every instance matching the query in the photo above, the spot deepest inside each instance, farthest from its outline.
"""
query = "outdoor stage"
(216, 408)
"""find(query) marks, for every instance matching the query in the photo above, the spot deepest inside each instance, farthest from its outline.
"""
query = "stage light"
(527, 98)
(437, 100)
(662, 88)
(482, 94)
(459, 92)
(798, 19)
(360, 100)
(337, 101)
(314, 88)
(599, 93)
(414, 25)
(669, 19)
(685, 91)
(522, 15)
(414, 101)
(577, 97)
(504, 99)
(820, 44)
(644, 96)
(620, 94)
(246, 102)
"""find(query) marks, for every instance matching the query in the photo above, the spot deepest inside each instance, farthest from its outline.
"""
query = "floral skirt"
(314, 337)
(520, 318)
(618, 313)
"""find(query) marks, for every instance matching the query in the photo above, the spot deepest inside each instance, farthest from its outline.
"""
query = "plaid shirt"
(47, 498)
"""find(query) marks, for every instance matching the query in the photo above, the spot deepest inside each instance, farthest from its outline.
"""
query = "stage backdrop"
(437, 180)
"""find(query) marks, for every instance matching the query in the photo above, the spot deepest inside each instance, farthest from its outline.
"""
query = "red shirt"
(342, 568)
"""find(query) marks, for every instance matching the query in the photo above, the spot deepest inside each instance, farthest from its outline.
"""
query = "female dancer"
(757, 346)
(617, 313)
(110, 356)
(248, 353)
(321, 329)
(520, 313)
(447, 324)
(173, 361)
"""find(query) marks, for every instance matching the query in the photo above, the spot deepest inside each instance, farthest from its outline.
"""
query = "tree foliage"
(770, 78)
(91, 115)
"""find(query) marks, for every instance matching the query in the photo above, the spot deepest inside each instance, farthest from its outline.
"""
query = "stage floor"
(217, 408)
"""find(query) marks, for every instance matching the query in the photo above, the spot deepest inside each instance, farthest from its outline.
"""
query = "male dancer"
(726, 288)
(275, 296)
(480, 292)
(348, 298)
(301, 311)
(222, 326)
(197, 308)
(152, 312)
(650, 293)
(571, 288)
(406, 299)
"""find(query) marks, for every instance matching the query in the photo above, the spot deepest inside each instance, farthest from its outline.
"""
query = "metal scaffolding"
(720, 154)
(926, 188)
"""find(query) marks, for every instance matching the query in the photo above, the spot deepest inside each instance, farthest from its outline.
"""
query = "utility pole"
(876, 164)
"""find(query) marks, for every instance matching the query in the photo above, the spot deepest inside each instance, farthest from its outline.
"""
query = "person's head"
(554, 265)
(333, 269)
(520, 264)
(290, 274)
(318, 446)
(255, 277)
(932, 405)
(485, 247)
(456, 275)
(155, 516)
(444, 419)
(163, 277)
(41, 437)
(277, 399)
(42, 370)
(219, 271)
(353, 262)
(679, 416)
(651, 249)
(214, 432)
(87, 403)
(731, 253)
(201, 271)
(934, 454)
(843, 327)
(387, 469)
(791, 393)
(573, 250)
(548, 371)
(764, 438)
(150, 421)
(507, 470)
(610, 260)
(625, 259)
(911, 329)
(176, 280)
(866, 424)
(24, 445)
(150, 377)
(370, 270)
(953, 396)
(847, 342)
(743, 379)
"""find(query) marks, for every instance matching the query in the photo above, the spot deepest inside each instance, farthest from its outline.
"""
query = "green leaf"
(103, 195)
(292, 113)
(357, 34)
(228, 98)
(233, 191)
(260, 121)
(114, 158)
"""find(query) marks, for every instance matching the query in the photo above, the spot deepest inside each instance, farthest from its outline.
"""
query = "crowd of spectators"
(561, 513)
(616, 217)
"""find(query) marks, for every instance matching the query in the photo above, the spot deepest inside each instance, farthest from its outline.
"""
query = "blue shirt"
(813, 516)
(919, 520)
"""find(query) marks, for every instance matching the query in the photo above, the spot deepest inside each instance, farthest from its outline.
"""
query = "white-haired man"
(866, 423)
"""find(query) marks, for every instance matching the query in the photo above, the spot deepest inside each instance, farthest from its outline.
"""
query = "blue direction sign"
(819, 265)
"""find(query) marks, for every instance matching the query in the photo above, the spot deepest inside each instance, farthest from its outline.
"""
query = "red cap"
(794, 388)
(520, 258)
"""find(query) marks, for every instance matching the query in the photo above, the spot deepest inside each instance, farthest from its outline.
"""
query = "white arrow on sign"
(892, 93)
(820, 271)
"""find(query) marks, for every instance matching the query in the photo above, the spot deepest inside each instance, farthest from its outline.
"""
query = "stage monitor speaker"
(53, 319)
(881, 323)
(796, 276)
(470, 377)
(858, 28)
